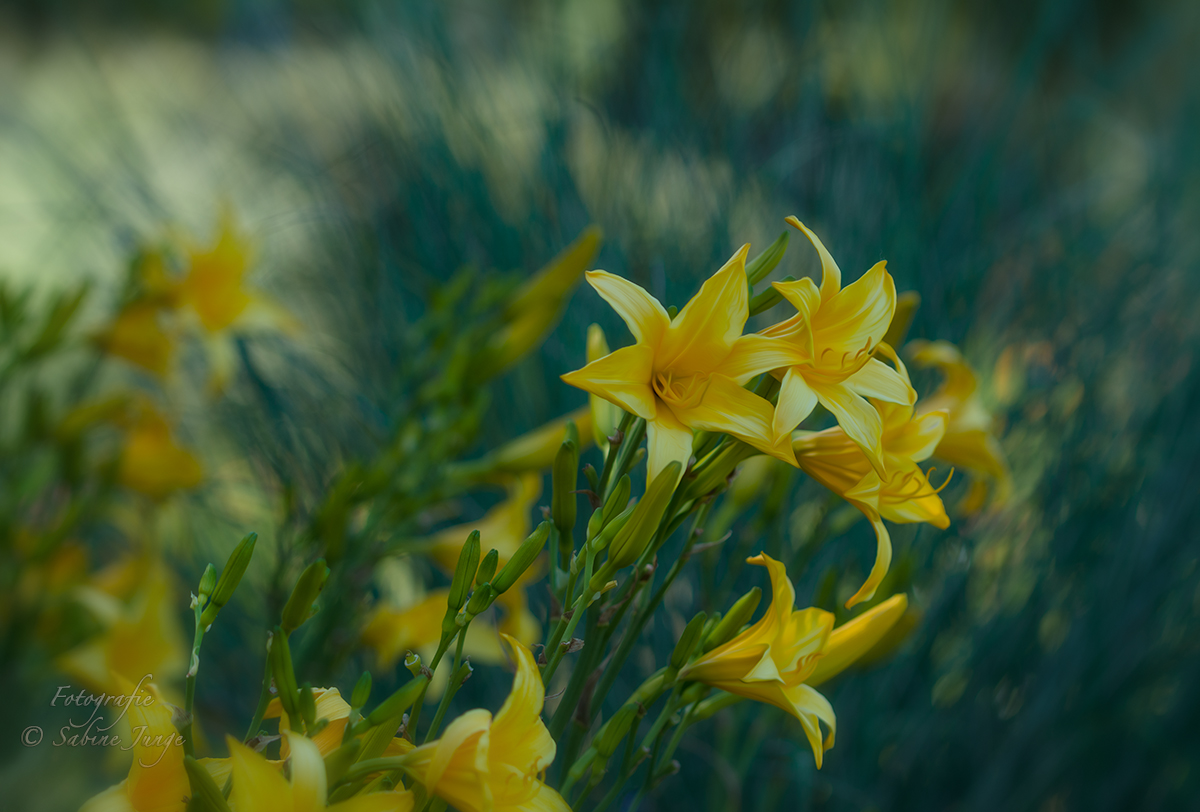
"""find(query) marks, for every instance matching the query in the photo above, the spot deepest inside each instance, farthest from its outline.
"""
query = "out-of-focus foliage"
(1030, 169)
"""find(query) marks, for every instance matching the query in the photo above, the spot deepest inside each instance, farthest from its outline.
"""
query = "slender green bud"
(688, 640)
(362, 691)
(758, 268)
(337, 762)
(308, 587)
(614, 527)
(642, 525)
(464, 572)
(398, 702)
(595, 523)
(481, 599)
(770, 297)
(739, 614)
(524, 556)
(618, 500)
(593, 478)
(615, 729)
(285, 676)
(710, 624)
(208, 582)
(487, 567)
(308, 705)
(231, 576)
(564, 479)
(206, 795)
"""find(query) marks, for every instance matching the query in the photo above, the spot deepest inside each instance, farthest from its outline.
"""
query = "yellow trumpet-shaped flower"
(138, 336)
(857, 638)
(969, 441)
(486, 764)
(687, 373)
(903, 495)
(213, 285)
(157, 781)
(152, 462)
(773, 659)
(259, 786)
(833, 338)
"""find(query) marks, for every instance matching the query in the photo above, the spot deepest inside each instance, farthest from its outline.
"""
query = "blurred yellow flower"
(687, 373)
(486, 764)
(259, 786)
(157, 781)
(140, 638)
(833, 338)
(773, 659)
(392, 632)
(533, 451)
(903, 495)
(213, 284)
(329, 705)
(605, 416)
(152, 462)
(137, 335)
(969, 442)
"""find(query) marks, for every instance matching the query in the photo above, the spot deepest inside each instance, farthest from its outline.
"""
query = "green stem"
(576, 613)
(264, 699)
(610, 461)
(570, 698)
(189, 700)
(457, 676)
(414, 715)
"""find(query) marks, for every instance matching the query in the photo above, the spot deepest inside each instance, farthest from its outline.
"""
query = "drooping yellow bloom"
(833, 338)
(773, 659)
(259, 786)
(687, 373)
(486, 764)
(857, 637)
(139, 639)
(902, 495)
(157, 781)
(152, 462)
(968, 442)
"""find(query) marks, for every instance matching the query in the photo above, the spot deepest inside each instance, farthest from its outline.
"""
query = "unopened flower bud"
(307, 705)
(612, 528)
(208, 582)
(362, 691)
(464, 572)
(618, 500)
(614, 730)
(738, 615)
(637, 533)
(564, 476)
(687, 641)
(337, 762)
(481, 599)
(309, 585)
(231, 576)
(487, 567)
(205, 791)
(524, 556)
(398, 702)
(758, 268)
(284, 676)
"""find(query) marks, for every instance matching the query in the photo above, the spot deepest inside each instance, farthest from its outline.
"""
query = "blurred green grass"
(1029, 168)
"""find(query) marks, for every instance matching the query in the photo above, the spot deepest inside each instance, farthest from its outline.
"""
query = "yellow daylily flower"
(773, 659)
(329, 705)
(687, 373)
(259, 786)
(833, 339)
(968, 442)
(141, 638)
(152, 462)
(605, 416)
(903, 495)
(138, 336)
(392, 632)
(486, 764)
(502, 528)
(857, 638)
(157, 781)
(534, 451)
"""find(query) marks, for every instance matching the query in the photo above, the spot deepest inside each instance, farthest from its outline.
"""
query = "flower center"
(911, 485)
(680, 390)
(847, 363)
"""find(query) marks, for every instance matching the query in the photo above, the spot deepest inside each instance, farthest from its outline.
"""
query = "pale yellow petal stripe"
(857, 418)
(704, 331)
(878, 380)
(730, 409)
(796, 402)
(667, 441)
(621, 377)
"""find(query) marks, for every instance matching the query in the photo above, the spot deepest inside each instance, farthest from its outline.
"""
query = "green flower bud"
(739, 614)
(487, 567)
(637, 533)
(285, 677)
(464, 572)
(208, 582)
(300, 607)
(481, 599)
(613, 527)
(362, 691)
(231, 576)
(615, 729)
(618, 500)
(688, 640)
(770, 297)
(206, 795)
(715, 471)
(398, 702)
(524, 556)
(337, 762)
(595, 523)
(307, 705)
(758, 268)
(564, 478)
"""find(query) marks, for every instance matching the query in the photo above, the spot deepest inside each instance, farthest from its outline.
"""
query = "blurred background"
(1031, 169)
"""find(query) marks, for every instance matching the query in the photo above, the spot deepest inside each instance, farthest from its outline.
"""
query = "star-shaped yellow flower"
(687, 373)
(833, 338)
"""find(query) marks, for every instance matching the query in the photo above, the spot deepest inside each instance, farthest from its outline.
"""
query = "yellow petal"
(544, 799)
(906, 307)
(916, 439)
(137, 335)
(856, 417)
(883, 560)
(811, 708)
(831, 274)
(960, 378)
(377, 802)
(622, 377)
(545, 290)
(535, 450)
(392, 632)
(831, 458)
(803, 295)
(754, 354)
(730, 409)
(856, 637)
(112, 799)
(455, 766)
(157, 780)
(605, 416)
(857, 318)
(973, 450)
(703, 333)
(796, 402)
(642, 313)
(256, 784)
(667, 441)
(519, 738)
(213, 286)
(878, 380)
(308, 773)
